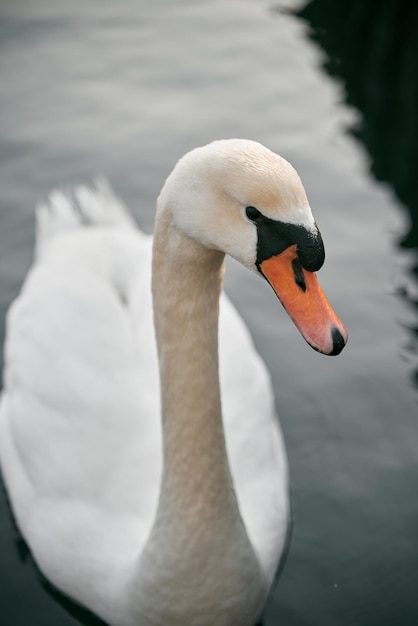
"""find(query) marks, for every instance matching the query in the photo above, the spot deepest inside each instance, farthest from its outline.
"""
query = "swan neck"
(187, 282)
(198, 541)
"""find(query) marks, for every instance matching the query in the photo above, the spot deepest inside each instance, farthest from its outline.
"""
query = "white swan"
(154, 511)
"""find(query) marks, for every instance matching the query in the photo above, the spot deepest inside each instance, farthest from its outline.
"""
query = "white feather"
(80, 430)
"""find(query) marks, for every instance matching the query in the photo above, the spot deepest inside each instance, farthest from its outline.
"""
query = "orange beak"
(305, 302)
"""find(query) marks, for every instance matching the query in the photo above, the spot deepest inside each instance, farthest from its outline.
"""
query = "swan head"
(240, 198)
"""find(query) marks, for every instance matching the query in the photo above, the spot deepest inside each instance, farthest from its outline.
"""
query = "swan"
(141, 495)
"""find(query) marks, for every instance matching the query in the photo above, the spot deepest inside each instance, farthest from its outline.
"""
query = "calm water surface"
(124, 89)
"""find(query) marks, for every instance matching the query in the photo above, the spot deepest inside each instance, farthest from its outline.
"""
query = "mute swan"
(151, 510)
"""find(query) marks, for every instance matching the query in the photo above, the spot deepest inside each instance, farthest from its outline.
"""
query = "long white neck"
(187, 281)
(198, 547)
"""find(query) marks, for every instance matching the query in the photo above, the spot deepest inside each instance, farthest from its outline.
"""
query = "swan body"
(139, 495)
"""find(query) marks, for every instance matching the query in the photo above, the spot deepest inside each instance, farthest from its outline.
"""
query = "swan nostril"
(338, 341)
(298, 272)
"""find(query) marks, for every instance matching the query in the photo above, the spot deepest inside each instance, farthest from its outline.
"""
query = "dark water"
(124, 89)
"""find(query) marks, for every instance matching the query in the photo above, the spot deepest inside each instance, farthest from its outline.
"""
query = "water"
(124, 89)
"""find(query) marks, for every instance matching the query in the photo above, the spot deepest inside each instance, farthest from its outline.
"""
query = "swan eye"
(252, 213)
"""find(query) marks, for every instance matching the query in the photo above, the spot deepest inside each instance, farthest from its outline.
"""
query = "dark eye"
(252, 213)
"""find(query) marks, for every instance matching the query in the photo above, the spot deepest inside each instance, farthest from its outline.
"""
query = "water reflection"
(372, 47)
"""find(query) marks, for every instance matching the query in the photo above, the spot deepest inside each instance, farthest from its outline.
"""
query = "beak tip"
(338, 341)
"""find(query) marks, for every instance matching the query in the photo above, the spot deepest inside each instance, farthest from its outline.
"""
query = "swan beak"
(305, 302)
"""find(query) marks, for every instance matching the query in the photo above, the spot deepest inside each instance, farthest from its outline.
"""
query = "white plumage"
(81, 436)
